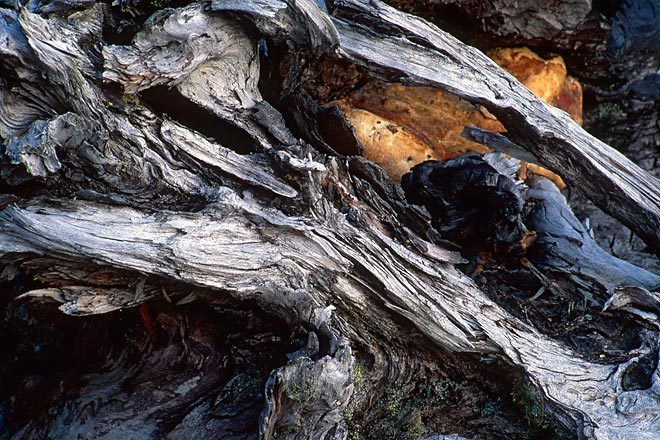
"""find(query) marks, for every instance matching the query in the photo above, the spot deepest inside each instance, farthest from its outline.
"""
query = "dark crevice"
(606, 7)
(638, 375)
(224, 352)
(323, 127)
(126, 17)
(166, 101)
(14, 179)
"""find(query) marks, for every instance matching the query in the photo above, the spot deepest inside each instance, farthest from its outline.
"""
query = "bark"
(290, 292)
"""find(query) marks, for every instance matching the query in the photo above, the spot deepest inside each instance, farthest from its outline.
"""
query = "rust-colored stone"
(430, 114)
(429, 122)
(569, 99)
(385, 140)
(547, 79)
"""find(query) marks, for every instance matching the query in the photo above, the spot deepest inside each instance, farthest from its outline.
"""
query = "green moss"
(359, 371)
(160, 4)
(359, 375)
(393, 399)
(414, 426)
(439, 391)
(404, 412)
(492, 408)
(407, 407)
(525, 396)
(534, 409)
(606, 110)
(355, 433)
(301, 393)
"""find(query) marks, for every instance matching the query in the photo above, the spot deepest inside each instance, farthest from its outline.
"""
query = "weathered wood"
(567, 246)
(429, 57)
(134, 206)
(443, 304)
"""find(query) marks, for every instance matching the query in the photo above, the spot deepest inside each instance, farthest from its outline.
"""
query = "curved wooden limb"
(418, 53)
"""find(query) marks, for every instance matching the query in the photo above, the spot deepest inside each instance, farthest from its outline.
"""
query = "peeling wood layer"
(129, 203)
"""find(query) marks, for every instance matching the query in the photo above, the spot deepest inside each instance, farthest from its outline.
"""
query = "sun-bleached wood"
(323, 242)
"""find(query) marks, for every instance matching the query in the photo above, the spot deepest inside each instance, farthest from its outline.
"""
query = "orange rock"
(543, 77)
(434, 116)
(384, 141)
(531, 168)
(547, 79)
(428, 122)
(569, 99)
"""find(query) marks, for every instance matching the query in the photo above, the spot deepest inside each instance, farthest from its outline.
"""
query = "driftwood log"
(232, 277)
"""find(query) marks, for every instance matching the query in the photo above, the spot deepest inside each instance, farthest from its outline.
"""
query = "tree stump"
(194, 247)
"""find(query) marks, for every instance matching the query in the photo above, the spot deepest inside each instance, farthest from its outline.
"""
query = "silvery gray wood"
(322, 241)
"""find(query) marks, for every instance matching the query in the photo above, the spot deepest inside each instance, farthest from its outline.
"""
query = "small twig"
(538, 294)
(165, 294)
(139, 288)
(546, 282)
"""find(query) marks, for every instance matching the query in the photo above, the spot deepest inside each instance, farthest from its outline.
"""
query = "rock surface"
(429, 122)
